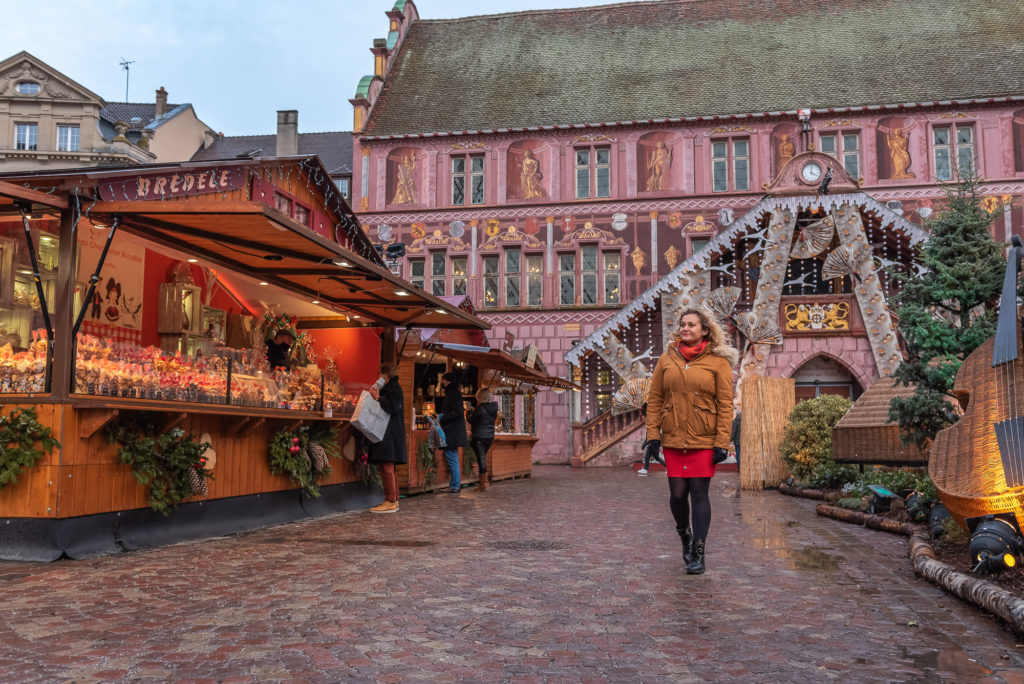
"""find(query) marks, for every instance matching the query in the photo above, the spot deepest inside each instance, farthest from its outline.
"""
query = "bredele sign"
(177, 184)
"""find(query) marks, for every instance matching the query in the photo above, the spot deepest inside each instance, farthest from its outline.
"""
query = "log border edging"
(982, 593)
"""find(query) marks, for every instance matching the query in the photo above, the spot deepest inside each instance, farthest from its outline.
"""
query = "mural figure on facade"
(786, 150)
(657, 162)
(530, 176)
(405, 188)
(639, 257)
(898, 141)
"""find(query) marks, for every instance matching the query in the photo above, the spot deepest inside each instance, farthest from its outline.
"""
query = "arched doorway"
(825, 375)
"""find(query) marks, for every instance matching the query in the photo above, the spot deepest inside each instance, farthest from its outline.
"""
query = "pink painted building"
(556, 165)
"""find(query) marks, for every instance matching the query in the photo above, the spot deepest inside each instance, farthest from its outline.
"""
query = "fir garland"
(171, 464)
(304, 454)
(19, 432)
(426, 464)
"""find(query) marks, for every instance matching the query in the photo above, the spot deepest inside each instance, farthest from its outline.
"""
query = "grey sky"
(236, 61)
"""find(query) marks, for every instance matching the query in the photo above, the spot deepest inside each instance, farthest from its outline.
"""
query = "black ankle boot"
(696, 564)
(687, 540)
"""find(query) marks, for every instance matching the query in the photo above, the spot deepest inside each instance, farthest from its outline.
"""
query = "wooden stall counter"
(511, 456)
(84, 477)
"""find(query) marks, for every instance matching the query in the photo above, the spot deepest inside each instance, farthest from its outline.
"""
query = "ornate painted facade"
(555, 207)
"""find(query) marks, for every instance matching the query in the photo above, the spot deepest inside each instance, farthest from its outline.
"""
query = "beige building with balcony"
(48, 120)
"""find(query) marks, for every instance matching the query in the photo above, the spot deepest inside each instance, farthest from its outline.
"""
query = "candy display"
(123, 369)
(25, 371)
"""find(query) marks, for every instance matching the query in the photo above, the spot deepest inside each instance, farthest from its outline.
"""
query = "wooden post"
(767, 403)
(63, 351)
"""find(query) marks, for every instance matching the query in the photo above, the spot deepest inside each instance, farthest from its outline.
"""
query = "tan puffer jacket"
(690, 404)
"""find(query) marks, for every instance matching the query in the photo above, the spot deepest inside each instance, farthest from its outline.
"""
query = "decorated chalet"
(565, 169)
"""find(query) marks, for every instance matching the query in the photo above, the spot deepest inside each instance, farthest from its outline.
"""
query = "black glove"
(718, 454)
(653, 447)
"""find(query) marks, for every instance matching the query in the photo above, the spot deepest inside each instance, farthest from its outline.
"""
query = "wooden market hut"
(261, 229)
(426, 354)
(865, 434)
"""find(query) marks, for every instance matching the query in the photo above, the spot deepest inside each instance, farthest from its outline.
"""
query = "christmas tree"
(946, 309)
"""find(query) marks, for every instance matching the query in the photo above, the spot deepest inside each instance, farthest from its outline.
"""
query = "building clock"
(811, 172)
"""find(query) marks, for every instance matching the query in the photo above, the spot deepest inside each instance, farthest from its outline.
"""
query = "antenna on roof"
(125, 64)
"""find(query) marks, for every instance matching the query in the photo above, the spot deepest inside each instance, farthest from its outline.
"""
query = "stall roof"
(259, 241)
(496, 359)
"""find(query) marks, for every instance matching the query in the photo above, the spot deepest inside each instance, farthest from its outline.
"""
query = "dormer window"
(27, 88)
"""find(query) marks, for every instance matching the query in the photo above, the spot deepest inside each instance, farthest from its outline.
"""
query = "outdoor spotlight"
(995, 542)
(395, 251)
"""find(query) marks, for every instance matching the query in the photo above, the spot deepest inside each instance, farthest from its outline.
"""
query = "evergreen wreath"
(20, 430)
(304, 454)
(170, 464)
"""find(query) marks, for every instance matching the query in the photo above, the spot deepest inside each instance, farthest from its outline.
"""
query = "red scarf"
(690, 353)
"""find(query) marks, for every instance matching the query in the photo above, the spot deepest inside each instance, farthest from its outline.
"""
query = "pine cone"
(305, 454)
(197, 482)
(319, 457)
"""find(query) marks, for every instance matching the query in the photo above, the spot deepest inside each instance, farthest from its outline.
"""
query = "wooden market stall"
(513, 382)
(178, 273)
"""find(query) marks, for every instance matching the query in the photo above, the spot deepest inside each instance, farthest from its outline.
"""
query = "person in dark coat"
(453, 421)
(391, 449)
(736, 423)
(481, 432)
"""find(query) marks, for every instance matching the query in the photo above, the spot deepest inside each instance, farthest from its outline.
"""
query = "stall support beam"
(388, 348)
(63, 348)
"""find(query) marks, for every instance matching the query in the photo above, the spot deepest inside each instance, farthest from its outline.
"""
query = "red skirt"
(688, 462)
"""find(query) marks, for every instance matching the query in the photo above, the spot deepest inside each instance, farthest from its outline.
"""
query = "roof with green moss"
(683, 58)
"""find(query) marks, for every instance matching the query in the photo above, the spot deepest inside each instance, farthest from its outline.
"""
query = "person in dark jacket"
(735, 437)
(453, 421)
(481, 432)
(391, 449)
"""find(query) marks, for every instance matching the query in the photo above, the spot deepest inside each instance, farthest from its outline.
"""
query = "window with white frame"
(845, 148)
(67, 138)
(588, 274)
(459, 275)
(438, 273)
(534, 280)
(567, 279)
(612, 277)
(343, 187)
(468, 178)
(416, 272)
(730, 164)
(490, 264)
(593, 172)
(951, 143)
(513, 266)
(26, 136)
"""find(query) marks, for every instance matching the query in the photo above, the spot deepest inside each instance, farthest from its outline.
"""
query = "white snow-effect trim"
(742, 226)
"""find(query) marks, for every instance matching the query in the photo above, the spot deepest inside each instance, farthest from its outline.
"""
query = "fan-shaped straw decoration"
(813, 239)
(844, 260)
(758, 329)
(631, 396)
(722, 301)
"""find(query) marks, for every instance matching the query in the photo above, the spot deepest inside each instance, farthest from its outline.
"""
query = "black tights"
(697, 490)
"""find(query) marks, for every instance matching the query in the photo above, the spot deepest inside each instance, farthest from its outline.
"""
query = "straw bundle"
(767, 402)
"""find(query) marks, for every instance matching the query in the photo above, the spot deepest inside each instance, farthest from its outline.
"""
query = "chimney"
(287, 132)
(161, 102)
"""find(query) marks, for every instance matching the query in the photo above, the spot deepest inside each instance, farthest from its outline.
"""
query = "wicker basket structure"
(966, 465)
(865, 435)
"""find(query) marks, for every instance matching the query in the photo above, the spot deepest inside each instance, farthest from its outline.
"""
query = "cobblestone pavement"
(570, 576)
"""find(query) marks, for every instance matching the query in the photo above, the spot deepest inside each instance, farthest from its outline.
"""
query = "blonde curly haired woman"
(689, 416)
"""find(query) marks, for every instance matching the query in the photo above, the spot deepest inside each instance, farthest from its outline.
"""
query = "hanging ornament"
(722, 301)
(758, 329)
(843, 261)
